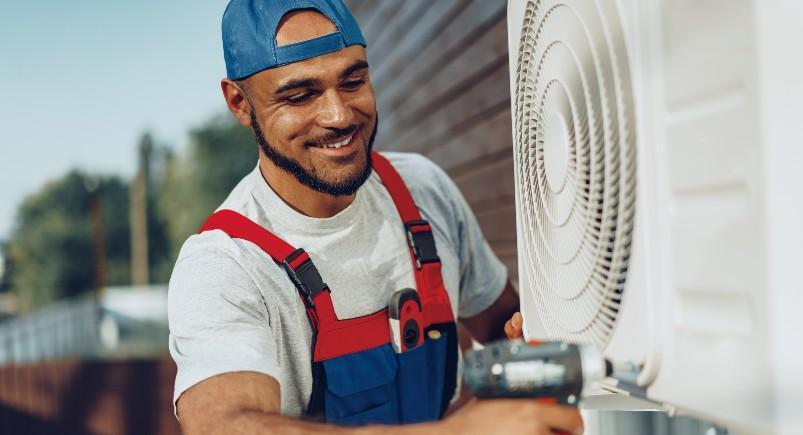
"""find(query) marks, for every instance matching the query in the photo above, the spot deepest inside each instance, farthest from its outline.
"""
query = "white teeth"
(339, 144)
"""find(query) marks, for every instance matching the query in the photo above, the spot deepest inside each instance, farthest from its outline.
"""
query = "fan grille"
(576, 161)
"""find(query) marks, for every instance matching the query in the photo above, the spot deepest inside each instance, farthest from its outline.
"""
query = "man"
(269, 338)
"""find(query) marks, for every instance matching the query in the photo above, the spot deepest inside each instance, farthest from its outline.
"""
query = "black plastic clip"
(422, 243)
(305, 277)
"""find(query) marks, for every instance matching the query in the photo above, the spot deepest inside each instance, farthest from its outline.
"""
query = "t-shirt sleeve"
(482, 275)
(218, 321)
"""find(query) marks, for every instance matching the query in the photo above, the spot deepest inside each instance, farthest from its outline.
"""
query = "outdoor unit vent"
(659, 195)
(575, 149)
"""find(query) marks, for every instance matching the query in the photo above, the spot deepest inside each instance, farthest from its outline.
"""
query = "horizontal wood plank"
(498, 224)
(483, 142)
(487, 91)
(385, 17)
(451, 43)
(457, 74)
(382, 44)
(409, 49)
(489, 185)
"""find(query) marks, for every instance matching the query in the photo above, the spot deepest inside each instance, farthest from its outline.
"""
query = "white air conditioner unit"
(658, 148)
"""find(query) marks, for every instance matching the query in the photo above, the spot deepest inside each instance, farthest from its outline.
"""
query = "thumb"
(513, 327)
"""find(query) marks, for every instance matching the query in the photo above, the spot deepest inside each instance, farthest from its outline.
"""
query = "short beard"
(342, 188)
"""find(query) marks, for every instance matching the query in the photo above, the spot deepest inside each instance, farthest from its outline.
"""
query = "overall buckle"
(305, 276)
(422, 242)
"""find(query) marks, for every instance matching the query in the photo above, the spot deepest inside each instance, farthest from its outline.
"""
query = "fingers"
(559, 417)
(513, 327)
(520, 416)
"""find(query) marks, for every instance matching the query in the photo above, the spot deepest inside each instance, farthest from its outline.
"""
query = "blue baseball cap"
(249, 34)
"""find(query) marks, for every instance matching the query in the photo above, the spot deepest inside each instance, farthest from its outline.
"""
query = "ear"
(236, 101)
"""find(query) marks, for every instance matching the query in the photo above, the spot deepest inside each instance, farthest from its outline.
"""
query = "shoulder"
(415, 167)
(212, 260)
(209, 259)
(208, 246)
(211, 279)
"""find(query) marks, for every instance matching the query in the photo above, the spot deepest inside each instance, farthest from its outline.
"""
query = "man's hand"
(508, 416)
(513, 327)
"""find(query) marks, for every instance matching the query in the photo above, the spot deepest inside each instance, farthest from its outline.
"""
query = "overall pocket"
(360, 387)
(421, 380)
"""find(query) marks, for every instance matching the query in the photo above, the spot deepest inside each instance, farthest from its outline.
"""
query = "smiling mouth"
(339, 144)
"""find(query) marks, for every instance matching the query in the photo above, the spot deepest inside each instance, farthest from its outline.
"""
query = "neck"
(300, 197)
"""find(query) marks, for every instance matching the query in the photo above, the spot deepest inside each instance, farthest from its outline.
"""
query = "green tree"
(51, 247)
(197, 181)
(52, 251)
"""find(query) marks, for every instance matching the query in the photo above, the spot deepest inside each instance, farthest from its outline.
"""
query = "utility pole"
(98, 236)
(140, 272)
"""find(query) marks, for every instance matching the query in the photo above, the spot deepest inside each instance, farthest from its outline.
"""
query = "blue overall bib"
(358, 378)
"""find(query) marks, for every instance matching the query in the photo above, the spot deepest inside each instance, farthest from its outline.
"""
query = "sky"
(80, 81)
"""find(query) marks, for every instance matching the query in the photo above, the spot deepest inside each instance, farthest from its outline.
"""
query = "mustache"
(334, 135)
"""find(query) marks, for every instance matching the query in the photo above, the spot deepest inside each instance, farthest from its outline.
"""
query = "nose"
(334, 113)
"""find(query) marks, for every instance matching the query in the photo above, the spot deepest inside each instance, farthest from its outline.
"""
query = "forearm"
(261, 423)
(490, 324)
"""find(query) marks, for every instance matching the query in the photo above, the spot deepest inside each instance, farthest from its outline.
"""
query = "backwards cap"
(249, 34)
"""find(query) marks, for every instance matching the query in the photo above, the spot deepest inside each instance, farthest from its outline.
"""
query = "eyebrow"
(356, 66)
(295, 84)
(308, 83)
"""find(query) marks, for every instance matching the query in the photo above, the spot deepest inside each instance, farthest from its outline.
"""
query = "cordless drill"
(549, 370)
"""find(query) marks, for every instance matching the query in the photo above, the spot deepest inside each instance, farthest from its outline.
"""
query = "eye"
(352, 85)
(300, 98)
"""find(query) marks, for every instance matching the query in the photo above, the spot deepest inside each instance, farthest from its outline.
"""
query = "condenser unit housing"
(659, 194)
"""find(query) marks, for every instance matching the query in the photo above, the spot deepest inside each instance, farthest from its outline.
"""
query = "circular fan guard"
(576, 161)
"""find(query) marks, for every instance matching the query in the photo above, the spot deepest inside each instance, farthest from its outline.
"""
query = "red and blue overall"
(358, 377)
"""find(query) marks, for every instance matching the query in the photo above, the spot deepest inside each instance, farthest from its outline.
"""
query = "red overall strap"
(426, 264)
(393, 182)
(238, 226)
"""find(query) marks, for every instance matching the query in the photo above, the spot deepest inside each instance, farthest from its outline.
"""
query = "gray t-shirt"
(231, 308)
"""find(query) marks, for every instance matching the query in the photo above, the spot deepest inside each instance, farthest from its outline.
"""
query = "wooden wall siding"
(440, 74)
(132, 397)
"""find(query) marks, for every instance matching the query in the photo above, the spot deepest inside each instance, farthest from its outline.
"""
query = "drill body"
(516, 369)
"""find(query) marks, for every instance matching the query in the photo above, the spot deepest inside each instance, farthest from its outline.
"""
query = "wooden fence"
(132, 397)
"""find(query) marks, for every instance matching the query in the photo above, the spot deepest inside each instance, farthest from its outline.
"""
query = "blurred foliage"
(220, 153)
(50, 249)
(51, 245)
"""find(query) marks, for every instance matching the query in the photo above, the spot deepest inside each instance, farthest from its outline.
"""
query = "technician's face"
(318, 114)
